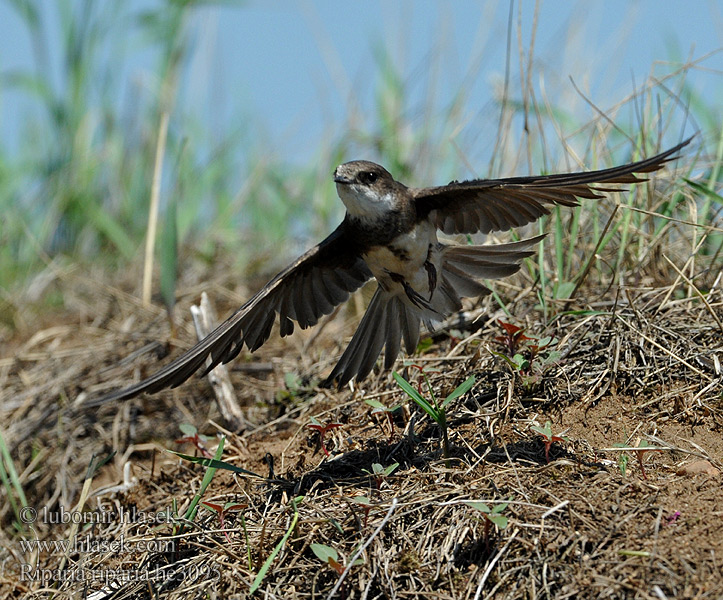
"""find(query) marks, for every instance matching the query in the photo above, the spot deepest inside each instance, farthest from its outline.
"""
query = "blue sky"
(299, 69)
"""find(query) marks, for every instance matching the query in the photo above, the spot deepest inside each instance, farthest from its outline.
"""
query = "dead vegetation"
(638, 362)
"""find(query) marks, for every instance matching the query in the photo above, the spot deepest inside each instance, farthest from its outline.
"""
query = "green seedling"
(378, 407)
(322, 429)
(366, 504)
(527, 355)
(548, 438)
(329, 556)
(512, 339)
(380, 473)
(637, 553)
(436, 410)
(640, 451)
(424, 345)
(623, 458)
(293, 389)
(491, 516)
(221, 511)
(193, 437)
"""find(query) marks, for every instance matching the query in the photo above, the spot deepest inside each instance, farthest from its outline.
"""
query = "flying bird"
(389, 233)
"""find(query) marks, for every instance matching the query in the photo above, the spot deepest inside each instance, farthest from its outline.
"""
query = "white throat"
(364, 203)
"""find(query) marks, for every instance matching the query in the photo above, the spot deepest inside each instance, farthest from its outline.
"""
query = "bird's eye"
(368, 177)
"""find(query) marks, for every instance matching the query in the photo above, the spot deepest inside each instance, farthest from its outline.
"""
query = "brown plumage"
(389, 233)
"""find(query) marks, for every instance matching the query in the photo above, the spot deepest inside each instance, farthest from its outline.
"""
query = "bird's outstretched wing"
(487, 205)
(306, 290)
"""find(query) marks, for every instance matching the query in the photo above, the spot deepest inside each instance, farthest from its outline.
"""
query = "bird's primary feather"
(389, 233)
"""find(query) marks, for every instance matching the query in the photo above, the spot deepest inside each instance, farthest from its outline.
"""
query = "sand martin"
(389, 234)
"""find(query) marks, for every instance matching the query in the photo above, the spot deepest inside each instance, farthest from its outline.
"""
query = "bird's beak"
(340, 178)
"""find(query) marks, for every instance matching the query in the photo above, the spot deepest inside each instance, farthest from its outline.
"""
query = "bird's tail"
(389, 319)
(386, 322)
(464, 266)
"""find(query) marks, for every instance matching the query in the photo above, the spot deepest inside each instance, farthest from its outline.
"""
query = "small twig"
(697, 291)
(671, 288)
(554, 509)
(204, 320)
(492, 564)
(652, 213)
(593, 254)
(363, 547)
(664, 349)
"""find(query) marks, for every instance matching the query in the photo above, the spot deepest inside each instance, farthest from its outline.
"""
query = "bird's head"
(366, 189)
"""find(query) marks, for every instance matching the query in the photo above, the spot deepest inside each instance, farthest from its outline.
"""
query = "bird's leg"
(414, 297)
(431, 273)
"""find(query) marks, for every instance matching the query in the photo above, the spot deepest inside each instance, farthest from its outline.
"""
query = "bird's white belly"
(405, 258)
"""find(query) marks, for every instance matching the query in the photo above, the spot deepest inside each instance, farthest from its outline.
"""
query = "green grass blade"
(544, 282)
(214, 463)
(10, 481)
(460, 390)
(416, 396)
(169, 256)
(708, 193)
(112, 229)
(207, 478)
(267, 563)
